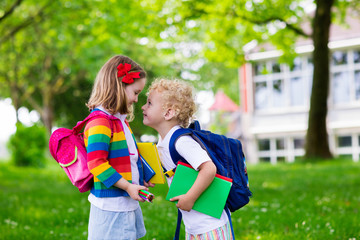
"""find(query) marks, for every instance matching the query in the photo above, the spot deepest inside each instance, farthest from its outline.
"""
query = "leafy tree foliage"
(227, 27)
(52, 50)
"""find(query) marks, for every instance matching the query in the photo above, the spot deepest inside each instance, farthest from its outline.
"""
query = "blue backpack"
(229, 159)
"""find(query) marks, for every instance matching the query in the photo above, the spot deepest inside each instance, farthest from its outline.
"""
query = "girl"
(112, 153)
(170, 105)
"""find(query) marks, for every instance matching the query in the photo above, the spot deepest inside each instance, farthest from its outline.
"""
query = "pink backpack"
(68, 148)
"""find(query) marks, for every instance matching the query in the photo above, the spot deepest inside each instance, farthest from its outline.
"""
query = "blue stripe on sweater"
(119, 153)
(99, 146)
(112, 179)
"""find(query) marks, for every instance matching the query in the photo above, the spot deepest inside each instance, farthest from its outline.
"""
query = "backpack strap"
(178, 226)
(94, 114)
(175, 156)
(230, 222)
(195, 125)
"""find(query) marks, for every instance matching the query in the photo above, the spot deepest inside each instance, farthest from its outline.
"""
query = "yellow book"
(148, 151)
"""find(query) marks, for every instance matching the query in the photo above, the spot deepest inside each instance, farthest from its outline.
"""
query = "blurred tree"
(9, 30)
(8, 10)
(27, 145)
(38, 60)
(49, 63)
(225, 27)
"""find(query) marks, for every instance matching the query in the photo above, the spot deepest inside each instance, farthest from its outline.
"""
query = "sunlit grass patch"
(302, 201)
(290, 201)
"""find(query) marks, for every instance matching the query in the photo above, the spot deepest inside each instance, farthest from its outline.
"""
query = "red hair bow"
(123, 71)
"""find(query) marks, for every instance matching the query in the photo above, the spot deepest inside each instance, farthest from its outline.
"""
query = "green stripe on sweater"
(106, 174)
(98, 138)
(119, 145)
(100, 185)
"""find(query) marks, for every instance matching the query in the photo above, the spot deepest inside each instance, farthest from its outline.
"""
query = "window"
(341, 87)
(348, 146)
(260, 68)
(299, 143)
(297, 65)
(280, 144)
(261, 95)
(275, 67)
(297, 92)
(357, 56)
(345, 81)
(264, 159)
(339, 58)
(344, 141)
(357, 85)
(277, 149)
(264, 144)
(282, 87)
(310, 63)
(278, 93)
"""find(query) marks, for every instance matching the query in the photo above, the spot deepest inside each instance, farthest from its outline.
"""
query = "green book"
(211, 201)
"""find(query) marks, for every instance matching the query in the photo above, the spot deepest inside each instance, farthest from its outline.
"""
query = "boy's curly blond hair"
(176, 95)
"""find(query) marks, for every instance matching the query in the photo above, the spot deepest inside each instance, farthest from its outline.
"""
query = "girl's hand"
(185, 202)
(133, 191)
(149, 184)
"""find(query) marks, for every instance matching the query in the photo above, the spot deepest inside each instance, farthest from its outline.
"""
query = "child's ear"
(169, 114)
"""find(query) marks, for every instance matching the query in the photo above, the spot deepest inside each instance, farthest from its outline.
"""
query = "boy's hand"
(185, 202)
(207, 171)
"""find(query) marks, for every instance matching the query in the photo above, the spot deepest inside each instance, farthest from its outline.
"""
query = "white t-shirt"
(121, 204)
(195, 222)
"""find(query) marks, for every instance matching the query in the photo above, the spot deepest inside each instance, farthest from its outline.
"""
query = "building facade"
(275, 99)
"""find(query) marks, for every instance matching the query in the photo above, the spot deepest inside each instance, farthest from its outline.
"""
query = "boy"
(170, 105)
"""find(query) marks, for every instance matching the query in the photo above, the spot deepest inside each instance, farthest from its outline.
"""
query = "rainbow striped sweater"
(108, 156)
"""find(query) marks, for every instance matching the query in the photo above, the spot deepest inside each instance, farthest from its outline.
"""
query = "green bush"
(27, 146)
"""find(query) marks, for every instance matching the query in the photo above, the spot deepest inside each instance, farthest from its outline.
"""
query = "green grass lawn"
(290, 201)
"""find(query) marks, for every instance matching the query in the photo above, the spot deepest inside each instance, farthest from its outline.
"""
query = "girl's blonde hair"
(108, 90)
(176, 95)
